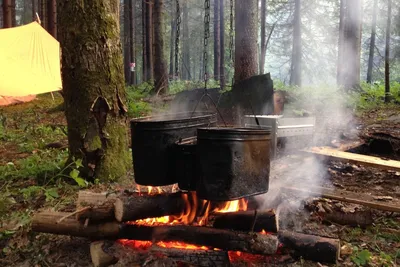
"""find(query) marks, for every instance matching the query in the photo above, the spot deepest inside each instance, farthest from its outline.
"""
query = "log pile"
(102, 216)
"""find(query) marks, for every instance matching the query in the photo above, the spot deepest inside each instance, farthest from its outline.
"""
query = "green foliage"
(373, 96)
(361, 258)
(177, 86)
(135, 96)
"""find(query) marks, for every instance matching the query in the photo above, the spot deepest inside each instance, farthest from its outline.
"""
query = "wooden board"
(346, 196)
(376, 162)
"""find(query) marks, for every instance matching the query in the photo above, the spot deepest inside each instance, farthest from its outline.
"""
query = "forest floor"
(33, 150)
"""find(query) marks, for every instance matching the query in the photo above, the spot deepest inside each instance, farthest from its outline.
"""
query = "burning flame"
(232, 206)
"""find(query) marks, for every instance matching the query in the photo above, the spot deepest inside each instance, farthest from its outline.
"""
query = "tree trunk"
(350, 77)
(144, 42)
(387, 52)
(34, 9)
(172, 39)
(52, 17)
(372, 43)
(160, 64)
(245, 39)
(185, 43)
(42, 9)
(263, 45)
(132, 29)
(222, 43)
(295, 72)
(339, 71)
(149, 39)
(217, 41)
(13, 13)
(126, 43)
(93, 87)
(7, 14)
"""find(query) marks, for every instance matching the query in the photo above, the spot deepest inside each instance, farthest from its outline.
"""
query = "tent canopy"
(29, 61)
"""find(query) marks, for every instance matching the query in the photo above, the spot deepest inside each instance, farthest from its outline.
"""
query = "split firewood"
(255, 243)
(100, 258)
(99, 206)
(244, 221)
(149, 206)
(311, 247)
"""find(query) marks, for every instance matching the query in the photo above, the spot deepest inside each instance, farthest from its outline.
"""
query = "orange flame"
(232, 206)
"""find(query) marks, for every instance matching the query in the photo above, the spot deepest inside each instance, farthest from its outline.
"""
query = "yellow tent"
(29, 61)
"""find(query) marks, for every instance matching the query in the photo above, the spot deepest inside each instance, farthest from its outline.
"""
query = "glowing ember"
(144, 245)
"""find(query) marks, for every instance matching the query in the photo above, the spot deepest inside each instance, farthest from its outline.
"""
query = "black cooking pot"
(153, 140)
(185, 170)
(232, 162)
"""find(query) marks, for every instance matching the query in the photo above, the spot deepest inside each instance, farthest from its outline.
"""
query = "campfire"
(153, 224)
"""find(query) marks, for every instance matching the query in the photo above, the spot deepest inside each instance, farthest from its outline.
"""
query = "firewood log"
(148, 206)
(101, 206)
(218, 238)
(100, 258)
(311, 247)
(243, 221)
(357, 218)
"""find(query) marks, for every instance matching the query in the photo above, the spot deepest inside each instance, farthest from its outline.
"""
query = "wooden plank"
(375, 162)
(347, 196)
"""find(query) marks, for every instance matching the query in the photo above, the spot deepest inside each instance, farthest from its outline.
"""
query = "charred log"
(247, 221)
(218, 238)
(152, 206)
(311, 247)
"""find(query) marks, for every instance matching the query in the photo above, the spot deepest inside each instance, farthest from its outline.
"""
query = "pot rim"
(176, 117)
(236, 130)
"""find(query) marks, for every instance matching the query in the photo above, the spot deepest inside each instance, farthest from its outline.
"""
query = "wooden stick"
(311, 247)
(345, 196)
(243, 221)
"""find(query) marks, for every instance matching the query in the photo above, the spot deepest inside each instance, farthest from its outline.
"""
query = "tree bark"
(151, 206)
(246, 221)
(218, 238)
(387, 52)
(311, 247)
(372, 43)
(349, 77)
(52, 17)
(295, 71)
(149, 39)
(43, 16)
(222, 43)
(7, 14)
(13, 13)
(93, 87)
(185, 42)
(245, 40)
(160, 64)
(217, 41)
(263, 44)
(34, 9)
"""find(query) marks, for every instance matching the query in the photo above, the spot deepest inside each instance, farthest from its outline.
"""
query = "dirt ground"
(377, 244)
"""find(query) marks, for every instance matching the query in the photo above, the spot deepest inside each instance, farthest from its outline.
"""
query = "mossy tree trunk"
(245, 39)
(93, 86)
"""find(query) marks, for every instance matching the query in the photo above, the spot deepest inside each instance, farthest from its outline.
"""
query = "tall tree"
(13, 13)
(340, 41)
(52, 17)
(132, 30)
(349, 68)
(34, 9)
(126, 43)
(295, 72)
(245, 39)
(93, 86)
(144, 41)
(7, 14)
(372, 42)
(185, 42)
(172, 39)
(149, 39)
(222, 43)
(387, 52)
(160, 64)
(217, 41)
(263, 45)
